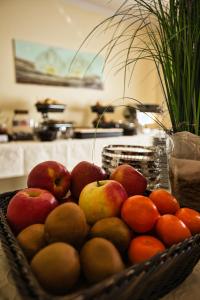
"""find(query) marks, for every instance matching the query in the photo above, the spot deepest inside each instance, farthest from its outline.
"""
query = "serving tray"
(45, 108)
(149, 280)
(85, 133)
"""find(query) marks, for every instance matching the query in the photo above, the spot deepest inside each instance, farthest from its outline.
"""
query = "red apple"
(51, 176)
(132, 180)
(102, 199)
(29, 206)
(82, 174)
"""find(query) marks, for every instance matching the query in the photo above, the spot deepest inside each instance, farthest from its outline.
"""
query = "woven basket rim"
(13, 250)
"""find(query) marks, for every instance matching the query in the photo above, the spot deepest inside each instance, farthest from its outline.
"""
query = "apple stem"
(98, 183)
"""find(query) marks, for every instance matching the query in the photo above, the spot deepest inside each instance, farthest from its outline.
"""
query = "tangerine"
(144, 247)
(171, 229)
(165, 202)
(191, 218)
(140, 213)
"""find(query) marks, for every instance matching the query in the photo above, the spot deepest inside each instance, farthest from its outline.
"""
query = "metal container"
(145, 159)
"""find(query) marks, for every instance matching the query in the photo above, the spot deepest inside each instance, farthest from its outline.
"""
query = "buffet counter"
(18, 158)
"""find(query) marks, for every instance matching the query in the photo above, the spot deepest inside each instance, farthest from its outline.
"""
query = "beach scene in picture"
(47, 65)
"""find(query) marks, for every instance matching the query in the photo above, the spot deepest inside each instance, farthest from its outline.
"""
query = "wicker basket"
(149, 280)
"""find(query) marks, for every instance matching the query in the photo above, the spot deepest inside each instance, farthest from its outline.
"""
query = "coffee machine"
(50, 129)
(100, 120)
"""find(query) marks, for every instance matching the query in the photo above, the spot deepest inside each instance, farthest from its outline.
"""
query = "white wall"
(59, 23)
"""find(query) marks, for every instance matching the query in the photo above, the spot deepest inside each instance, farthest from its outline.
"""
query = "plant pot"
(184, 168)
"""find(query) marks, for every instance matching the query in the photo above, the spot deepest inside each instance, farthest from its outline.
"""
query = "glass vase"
(184, 168)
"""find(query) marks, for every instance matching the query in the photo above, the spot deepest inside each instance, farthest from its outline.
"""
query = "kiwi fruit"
(31, 239)
(100, 259)
(57, 268)
(113, 229)
(66, 223)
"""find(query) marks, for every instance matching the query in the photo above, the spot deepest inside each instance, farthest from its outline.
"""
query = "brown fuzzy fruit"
(114, 230)
(100, 259)
(66, 223)
(57, 268)
(32, 239)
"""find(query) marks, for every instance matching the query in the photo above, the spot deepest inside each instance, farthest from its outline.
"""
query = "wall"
(62, 24)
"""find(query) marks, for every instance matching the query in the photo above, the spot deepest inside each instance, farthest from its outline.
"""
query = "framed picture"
(47, 65)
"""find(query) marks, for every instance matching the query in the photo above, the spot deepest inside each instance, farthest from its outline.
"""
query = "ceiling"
(110, 4)
(103, 6)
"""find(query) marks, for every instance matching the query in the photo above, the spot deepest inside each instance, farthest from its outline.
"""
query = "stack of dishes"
(160, 143)
(143, 158)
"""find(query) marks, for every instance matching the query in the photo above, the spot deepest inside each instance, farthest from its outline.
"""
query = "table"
(18, 158)
(189, 289)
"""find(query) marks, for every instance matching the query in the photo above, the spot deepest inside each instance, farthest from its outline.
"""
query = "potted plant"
(166, 32)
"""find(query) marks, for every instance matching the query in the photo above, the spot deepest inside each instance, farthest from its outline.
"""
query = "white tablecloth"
(18, 158)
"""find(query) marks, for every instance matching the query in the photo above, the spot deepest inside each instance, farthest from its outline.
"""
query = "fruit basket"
(149, 280)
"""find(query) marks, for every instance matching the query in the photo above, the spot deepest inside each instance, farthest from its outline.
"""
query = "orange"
(191, 218)
(171, 230)
(165, 202)
(144, 247)
(139, 213)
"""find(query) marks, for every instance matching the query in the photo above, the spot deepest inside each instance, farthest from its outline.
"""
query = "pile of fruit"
(87, 226)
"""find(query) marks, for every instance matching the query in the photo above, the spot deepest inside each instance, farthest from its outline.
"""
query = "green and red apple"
(132, 180)
(29, 206)
(82, 174)
(102, 199)
(51, 176)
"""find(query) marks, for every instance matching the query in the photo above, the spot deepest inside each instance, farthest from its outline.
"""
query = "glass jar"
(160, 142)
(22, 122)
(184, 168)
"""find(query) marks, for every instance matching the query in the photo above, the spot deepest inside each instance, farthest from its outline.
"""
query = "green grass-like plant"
(166, 32)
